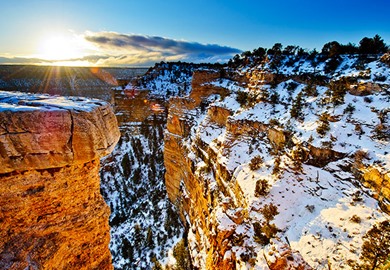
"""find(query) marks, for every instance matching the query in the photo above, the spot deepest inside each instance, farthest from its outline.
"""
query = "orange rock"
(52, 215)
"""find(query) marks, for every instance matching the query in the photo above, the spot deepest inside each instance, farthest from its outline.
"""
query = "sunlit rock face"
(52, 213)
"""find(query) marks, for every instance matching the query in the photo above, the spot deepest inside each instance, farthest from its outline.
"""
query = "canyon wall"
(211, 148)
(52, 213)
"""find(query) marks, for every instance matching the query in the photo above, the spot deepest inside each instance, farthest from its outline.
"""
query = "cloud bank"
(154, 43)
(139, 49)
(115, 49)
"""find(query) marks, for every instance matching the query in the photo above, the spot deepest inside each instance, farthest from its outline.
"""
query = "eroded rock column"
(52, 215)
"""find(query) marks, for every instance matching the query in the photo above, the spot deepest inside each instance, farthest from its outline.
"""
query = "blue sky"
(139, 33)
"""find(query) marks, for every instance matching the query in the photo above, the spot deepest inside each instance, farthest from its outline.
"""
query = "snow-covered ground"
(324, 211)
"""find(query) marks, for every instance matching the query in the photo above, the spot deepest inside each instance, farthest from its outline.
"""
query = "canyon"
(262, 186)
(274, 162)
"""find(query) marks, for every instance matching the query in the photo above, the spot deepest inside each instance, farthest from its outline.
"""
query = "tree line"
(366, 46)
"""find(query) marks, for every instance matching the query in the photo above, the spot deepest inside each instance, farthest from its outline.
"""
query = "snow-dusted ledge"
(41, 132)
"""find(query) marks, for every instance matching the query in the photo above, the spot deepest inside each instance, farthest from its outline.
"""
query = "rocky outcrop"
(52, 213)
(379, 182)
(202, 86)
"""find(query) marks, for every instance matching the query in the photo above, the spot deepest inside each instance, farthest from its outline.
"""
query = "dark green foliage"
(269, 211)
(256, 163)
(333, 49)
(276, 49)
(376, 248)
(290, 50)
(349, 109)
(324, 126)
(367, 99)
(262, 188)
(373, 45)
(274, 98)
(310, 90)
(259, 52)
(149, 238)
(126, 166)
(338, 89)
(332, 64)
(242, 98)
(355, 219)
(182, 256)
(291, 86)
(265, 231)
(296, 109)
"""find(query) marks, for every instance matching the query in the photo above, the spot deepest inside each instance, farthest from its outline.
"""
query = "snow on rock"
(315, 146)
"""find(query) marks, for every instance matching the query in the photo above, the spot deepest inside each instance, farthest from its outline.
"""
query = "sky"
(143, 32)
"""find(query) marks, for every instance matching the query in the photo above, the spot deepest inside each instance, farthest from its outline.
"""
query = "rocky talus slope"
(52, 213)
(281, 166)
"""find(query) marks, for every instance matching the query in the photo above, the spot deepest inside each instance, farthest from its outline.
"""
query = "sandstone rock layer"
(52, 213)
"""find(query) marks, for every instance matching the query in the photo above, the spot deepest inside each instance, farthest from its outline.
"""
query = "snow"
(317, 212)
(18, 101)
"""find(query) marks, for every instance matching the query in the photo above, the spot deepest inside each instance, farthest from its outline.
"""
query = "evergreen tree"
(182, 256)
(373, 45)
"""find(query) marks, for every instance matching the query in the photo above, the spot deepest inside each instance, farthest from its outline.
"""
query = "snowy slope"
(323, 210)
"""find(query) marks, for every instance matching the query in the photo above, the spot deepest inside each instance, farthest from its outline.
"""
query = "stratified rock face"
(52, 213)
(259, 187)
(40, 132)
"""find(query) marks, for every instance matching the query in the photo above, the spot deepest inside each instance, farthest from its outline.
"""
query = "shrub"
(311, 90)
(181, 255)
(291, 86)
(296, 109)
(256, 163)
(355, 219)
(262, 188)
(276, 168)
(367, 99)
(242, 98)
(376, 248)
(274, 98)
(386, 58)
(358, 129)
(359, 156)
(332, 64)
(373, 45)
(357, 196)
(323, 126)
(338, 89)
(310, 208)
(349, 109)
(269, 211)
(382, 132)
(265, 231)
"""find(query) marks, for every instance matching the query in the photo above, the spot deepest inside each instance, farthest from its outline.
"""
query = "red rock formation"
(52, 213)
(202, 86)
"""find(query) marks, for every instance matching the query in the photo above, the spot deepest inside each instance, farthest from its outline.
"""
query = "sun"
(59, 48)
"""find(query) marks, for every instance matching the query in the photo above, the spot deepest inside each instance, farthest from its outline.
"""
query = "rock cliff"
(52, 213)
(281, 171)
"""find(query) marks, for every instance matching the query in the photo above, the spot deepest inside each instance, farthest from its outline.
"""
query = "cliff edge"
(52, 213)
